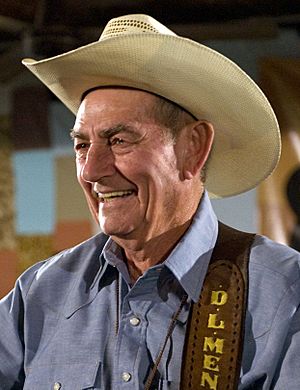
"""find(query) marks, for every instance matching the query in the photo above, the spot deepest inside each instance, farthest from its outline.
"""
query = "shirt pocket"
(64, 376)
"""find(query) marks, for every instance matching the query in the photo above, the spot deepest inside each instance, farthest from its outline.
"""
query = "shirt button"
(134, 321)
(57, 386)
(126, 376)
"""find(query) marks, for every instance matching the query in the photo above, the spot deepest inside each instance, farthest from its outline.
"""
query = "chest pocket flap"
(64, 376)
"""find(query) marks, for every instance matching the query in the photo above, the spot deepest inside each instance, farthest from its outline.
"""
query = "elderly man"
(166, 297)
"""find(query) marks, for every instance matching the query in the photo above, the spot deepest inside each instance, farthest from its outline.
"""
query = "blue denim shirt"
(75, 322)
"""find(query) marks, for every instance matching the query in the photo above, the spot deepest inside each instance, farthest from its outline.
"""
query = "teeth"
(114, 194)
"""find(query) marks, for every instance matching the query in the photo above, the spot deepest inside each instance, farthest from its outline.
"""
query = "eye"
(116, 141)
(80, 146)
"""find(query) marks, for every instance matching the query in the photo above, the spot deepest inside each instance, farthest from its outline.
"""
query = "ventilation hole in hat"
(117, 27)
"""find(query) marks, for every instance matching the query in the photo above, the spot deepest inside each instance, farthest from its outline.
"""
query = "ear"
(199, 136)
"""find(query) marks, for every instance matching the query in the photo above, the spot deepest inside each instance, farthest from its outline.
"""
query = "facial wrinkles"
(161, 195)
(156, 183)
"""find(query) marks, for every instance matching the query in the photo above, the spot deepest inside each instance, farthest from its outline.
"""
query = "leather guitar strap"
(214, 338)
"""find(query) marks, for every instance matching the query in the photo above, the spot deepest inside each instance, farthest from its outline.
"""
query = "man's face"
(129, 170)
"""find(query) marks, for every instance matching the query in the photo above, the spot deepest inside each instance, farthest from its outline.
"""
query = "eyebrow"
(106, 133)
(76, 134)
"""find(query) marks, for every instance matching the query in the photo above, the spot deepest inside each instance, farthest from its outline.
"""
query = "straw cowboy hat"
(137, 51)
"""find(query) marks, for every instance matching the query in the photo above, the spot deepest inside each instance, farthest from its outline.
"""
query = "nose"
(99, 163)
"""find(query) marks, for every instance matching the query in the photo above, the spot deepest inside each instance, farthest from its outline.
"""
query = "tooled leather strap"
(214, 338)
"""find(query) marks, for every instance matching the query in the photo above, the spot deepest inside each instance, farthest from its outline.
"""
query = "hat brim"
(204, 82)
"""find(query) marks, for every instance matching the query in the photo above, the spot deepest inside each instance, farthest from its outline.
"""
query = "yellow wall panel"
(7, 234)
(31, 249)
(8, 267)
(70, 201)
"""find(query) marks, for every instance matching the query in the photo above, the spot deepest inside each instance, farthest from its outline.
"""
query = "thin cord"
(169, 333)
(117, 305)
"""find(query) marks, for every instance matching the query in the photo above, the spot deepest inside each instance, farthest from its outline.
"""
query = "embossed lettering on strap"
(214, 339)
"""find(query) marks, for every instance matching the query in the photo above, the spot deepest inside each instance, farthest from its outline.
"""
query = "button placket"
(131, 353)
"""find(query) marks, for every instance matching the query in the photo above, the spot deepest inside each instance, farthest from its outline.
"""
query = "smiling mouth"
(109, 196)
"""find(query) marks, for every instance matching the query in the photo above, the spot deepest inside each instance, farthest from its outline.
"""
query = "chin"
(113, 230)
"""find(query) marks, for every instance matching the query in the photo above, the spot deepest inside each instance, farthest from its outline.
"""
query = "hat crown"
(133, 24)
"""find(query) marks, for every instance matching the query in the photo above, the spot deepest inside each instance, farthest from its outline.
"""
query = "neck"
(155, 251)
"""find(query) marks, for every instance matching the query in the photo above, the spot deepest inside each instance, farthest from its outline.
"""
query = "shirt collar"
(113, 254)
(190, 258)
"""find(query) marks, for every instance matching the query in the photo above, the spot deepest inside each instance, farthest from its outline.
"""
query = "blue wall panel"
(34, 191)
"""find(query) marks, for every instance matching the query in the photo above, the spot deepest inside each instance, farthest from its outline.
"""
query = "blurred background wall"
(42, 210)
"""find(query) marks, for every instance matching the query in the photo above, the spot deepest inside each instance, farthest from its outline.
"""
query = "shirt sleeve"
(12, 340)
(287, 375)
(272, 332)
(12, 312)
